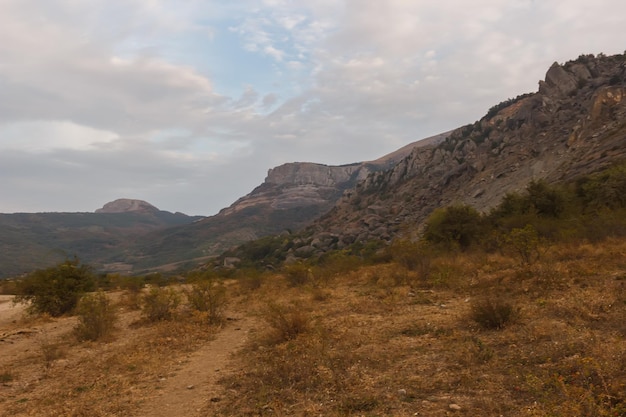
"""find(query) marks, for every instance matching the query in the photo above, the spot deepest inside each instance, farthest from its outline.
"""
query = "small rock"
(190, 386)
(215, 399)
(454, 407)
(402, 392)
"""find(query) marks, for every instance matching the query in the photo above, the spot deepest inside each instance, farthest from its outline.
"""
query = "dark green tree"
(454, 226)
(55, 290)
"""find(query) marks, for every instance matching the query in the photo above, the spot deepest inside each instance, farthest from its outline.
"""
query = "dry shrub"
(298, 274)
(96, 317)
(50, 350)
(208, 296)
(133, 287)
(250, 279)
(286, 322)
(160, 304)
(492, 313)
(414, 256)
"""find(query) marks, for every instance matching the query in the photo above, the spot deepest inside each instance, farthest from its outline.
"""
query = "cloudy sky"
(187, 103)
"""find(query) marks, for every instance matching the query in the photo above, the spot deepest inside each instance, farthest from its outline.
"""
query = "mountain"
(290, 198)
(33, 240)
(575, 124)
(125, 205)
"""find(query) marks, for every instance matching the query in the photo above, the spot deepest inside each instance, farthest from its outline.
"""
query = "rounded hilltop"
(124, 205)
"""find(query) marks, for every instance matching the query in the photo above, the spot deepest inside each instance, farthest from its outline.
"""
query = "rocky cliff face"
(574, 124)
(302, 184)
(306, 184)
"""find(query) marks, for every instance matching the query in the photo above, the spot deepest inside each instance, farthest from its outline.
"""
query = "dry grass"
(100, 379)
(376, 341)
(384, 341)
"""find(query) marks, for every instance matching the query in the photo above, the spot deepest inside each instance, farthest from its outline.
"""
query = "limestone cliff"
(306, 184)
(575, 124)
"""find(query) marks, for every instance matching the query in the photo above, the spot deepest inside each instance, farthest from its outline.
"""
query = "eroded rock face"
(125, 205)
(306, 184)
(575, 124)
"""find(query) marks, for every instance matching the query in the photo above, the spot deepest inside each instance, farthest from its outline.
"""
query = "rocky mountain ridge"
(304, 184)
(573, 125)
(291, 197)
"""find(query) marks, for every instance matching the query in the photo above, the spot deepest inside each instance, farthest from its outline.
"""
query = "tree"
(55, 290)
(454, 226)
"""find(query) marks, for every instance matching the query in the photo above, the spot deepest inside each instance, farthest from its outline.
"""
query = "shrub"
(133, 287)
(298, 274)
(55, 290)
(287, 322)
(96, 316)
(50, 351)
(160, 304)
(492, 313)
(414, 256)
(208, 295)
(456, 226)
(249, 279)
(525, 243)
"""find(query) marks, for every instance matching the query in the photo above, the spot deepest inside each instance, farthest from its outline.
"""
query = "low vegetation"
(96, 317)
(55, 290)
(520, 313)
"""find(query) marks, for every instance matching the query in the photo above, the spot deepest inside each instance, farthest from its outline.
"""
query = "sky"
(187, 103)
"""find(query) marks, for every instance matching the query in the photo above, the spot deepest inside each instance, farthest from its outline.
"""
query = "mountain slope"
(33, 240)
(575, 124)
(290, 198)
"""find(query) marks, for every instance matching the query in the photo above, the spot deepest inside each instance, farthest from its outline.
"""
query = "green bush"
(456, 226)
(96, 317)
(160, 304)
(55, 290)
(604, 190)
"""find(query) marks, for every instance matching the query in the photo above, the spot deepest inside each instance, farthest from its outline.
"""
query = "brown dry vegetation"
(379, 340)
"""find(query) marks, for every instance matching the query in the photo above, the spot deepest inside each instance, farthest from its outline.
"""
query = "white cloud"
(112, 98)
(42, 136)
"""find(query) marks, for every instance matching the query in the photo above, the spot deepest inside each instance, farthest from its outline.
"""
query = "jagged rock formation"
(125, 205)
(574, 124)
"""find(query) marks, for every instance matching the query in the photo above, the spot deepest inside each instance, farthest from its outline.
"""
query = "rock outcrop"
(574, 125)
(306, 184)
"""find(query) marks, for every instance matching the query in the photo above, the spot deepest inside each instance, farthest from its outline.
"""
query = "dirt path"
(195, 383)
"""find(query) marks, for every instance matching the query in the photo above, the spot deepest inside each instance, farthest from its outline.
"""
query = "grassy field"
(462, 334)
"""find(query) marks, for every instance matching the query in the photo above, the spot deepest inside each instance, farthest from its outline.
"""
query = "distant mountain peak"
(125, 205)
